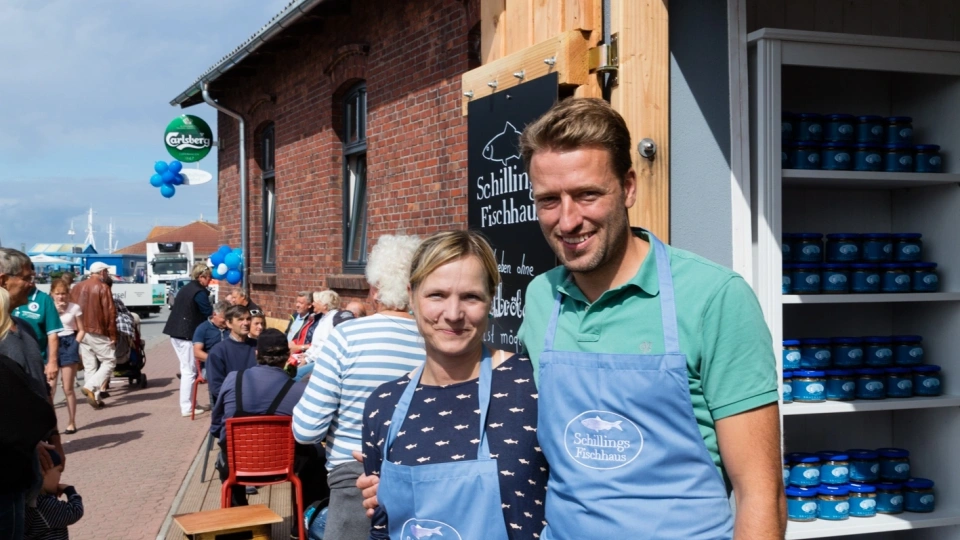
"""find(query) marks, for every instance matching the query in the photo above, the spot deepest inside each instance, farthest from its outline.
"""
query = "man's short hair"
(222, 306)
(580, 122)
(199, 269)
(235, 312)
(12, 262)
(306, 294)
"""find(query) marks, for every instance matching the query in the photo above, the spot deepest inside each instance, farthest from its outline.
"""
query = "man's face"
(302, 306)
(19, 286)
(240, 327)
(581, 206)
(218, 320)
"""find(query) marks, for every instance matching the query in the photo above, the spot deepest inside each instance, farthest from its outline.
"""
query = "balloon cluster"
(227, 264)
(167, 175)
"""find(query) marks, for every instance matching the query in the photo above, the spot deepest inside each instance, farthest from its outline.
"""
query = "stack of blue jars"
(849, 368)
(857, 263)
(843, 142)
(835, 486)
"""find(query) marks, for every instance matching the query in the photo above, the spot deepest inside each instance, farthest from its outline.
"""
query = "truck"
(140, 298)
(168, 262)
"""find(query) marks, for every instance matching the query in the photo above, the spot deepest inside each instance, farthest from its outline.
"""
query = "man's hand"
(43, 453)
(368, 485)
(51, 371)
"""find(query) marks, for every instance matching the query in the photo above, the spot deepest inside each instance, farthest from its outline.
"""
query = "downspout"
(605, 86)
(243, 183)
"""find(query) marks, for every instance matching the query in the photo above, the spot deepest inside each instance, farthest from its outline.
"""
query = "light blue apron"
(444, 501)
(626, 456)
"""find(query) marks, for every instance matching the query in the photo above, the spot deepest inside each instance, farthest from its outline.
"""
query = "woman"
(455, 443)
(257, 322)
(358, 357)
(68, 354)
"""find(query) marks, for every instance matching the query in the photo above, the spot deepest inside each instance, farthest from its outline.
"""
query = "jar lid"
(918, 483)
(815, 341)
(793, 491)
(927, 147)
(907, 235)
(924, 265)
(869, 371)
(900, 370)
(838, 116)
(807, 373)
(825, 454)
(809, 116)
(908, 339)
(840, 372)
(849, 340)
(888, 486)
(866, 146)
(788, 374)
(859, 453)
(870, 118)
(833, 490)
(922, 369)
(880, 236)
(843, 236)
(809, 235)
(864, 266)
(876, 339)
(835, 145)
(804, 144)
(791, 343)
(861, 488)
(803, 457)
(893, 452)
(806, 266)
(895, 266)
(835, 266)
(897, 147)
(899, 119)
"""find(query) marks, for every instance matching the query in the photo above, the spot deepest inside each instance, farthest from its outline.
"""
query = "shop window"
(268, 177)
(355, 179)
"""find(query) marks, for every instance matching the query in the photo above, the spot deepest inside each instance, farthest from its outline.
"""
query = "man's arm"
(202, 300)
(216, 372)
(750, 450)
(109, 311)
(315, 410)
(198, 352)
(52, 367)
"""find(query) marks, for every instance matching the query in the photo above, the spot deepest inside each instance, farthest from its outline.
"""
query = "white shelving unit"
(802, 71)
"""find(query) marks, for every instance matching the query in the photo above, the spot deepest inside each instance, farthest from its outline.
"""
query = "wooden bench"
(235, 523)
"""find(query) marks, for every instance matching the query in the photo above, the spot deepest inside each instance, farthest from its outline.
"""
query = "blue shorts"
(68, 353)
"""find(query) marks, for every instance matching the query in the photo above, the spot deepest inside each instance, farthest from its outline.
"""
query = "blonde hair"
(388, 269)
(199, 269)
(330, 299)
(59, 284)
(5, 321)
(444, 247)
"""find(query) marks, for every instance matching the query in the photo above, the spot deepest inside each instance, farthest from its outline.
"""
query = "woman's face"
(451, 307)
(256, 326)
(60, 297)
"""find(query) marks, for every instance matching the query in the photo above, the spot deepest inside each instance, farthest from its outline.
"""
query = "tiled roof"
(161, 229)
(204, 235)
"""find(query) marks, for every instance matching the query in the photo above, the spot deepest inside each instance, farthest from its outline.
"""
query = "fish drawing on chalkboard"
(503, 146)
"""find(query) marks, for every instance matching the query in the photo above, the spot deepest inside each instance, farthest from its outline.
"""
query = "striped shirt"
(50, 518)
(359, 356)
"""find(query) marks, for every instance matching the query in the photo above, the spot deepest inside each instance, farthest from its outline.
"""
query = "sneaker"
(252, 490)
(92, 398)
(196, 412)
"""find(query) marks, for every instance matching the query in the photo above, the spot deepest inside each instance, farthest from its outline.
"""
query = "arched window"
(269, 216)
(355, 179)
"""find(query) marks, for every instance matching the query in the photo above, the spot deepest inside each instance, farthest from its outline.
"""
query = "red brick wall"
(416, 137)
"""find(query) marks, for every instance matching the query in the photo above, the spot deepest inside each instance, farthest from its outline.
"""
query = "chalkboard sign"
(500, 197)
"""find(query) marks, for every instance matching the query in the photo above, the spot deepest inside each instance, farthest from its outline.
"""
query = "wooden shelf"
(864, 405)
(870, 298)
(864, 179)
(880, 523)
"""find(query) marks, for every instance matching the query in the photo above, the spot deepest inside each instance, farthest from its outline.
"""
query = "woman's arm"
(372, 459)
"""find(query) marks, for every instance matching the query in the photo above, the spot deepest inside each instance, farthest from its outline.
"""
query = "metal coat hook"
(520, 74)
(550, 61)
(493, 84)
(468, 94)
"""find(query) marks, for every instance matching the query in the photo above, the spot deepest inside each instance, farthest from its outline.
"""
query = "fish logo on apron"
(418, 529)
(602, 440)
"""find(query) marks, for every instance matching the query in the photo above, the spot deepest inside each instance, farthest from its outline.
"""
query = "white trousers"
(96, 348)
(188, 372)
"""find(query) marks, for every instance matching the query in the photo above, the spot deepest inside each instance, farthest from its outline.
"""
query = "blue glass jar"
(889, 497)
(834, 468)
(878, 351)
(809, 127)
(791, 354)
(863, 500)
(834, 278)
(864, 466)
(907, 247)
(924, 277)
(787, 392)
(895, 278)
(801, 503)
(899, 383)
(841, 386)
(804, 469)
(898, 158)
(918, 495)
(787, 120)
(907, 350)
(786, 247)
(846, 352)
(867, 157)
(843, 247)
(927, 159)
(786, 279)
(807, 247)
(864, 278)
(836, 156)
(894, 464)
(787, 151)
(833, 502)
(899, 130)
(926, 380)
(871, 384)
(815, 353)
(877, 247)
(805, 155)
(805, 278)
(839, 127)
(809, 386)
(786, 471)
(870, 129)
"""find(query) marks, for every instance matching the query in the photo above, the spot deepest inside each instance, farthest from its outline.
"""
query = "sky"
(85, 91)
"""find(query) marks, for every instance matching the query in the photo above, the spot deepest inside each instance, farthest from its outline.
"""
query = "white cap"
(98, 267)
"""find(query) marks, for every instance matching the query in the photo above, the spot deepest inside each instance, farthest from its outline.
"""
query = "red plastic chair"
(260, 452)
(196, 384)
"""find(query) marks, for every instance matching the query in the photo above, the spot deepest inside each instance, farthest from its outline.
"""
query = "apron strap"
(668, 306)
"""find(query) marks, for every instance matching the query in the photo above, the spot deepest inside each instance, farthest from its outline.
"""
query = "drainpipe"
(606, 87)
(243, 182)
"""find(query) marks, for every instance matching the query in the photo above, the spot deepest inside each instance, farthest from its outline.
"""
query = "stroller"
(131, 358)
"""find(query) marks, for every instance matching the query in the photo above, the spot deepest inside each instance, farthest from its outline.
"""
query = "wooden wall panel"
(548, 19)
(492, 30)
(519, 23)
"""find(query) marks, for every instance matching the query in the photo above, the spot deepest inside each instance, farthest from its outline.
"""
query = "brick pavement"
(129, 459)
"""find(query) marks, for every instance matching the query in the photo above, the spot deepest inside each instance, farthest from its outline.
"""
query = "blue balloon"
(232, 260)
(156, 180)
(216, 258)
(234, 277)
(175, 166)
(224, 249)
(239, 252)
(216, 275)
(167, 190)
(167, 177)
(160, 167)
(177, 179)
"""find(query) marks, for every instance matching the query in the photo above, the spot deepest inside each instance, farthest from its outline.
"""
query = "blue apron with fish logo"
(626, 456)
(444, 501)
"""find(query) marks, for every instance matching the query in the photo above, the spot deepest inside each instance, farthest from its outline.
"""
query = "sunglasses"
(256, 313)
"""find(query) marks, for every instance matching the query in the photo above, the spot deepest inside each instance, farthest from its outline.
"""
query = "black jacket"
(25, 420)
(186, 315)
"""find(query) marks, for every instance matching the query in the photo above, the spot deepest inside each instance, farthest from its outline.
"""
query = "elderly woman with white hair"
(357, 357)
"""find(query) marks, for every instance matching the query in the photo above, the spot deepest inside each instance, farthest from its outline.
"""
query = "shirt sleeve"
(60, 514)
(321, 399)
(372, 459)
(198, 333)
(51, 317)
(202, 299)
(216, 371)
(217, 420)
(738, 367)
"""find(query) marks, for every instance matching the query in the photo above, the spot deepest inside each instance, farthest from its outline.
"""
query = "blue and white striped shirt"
(359, 356)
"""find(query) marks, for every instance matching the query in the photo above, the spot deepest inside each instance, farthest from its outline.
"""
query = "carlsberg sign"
(188, 138)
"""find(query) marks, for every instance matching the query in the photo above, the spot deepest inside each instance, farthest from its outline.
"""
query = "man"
(263, 389)
(236, 352)
(41, 314)
(99, 345)
(211, 331)
(356, 308)
(660, 352)
(303, 310)
(190, 308)
(240, 298)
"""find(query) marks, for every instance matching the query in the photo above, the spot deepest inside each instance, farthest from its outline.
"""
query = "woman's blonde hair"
(5, 321)
(444, 247)
(199, 269)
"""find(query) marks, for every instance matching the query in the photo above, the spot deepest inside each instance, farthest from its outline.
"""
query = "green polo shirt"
(730, 362)
(40, 312)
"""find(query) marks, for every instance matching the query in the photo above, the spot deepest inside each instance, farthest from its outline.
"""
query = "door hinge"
(605, 58)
